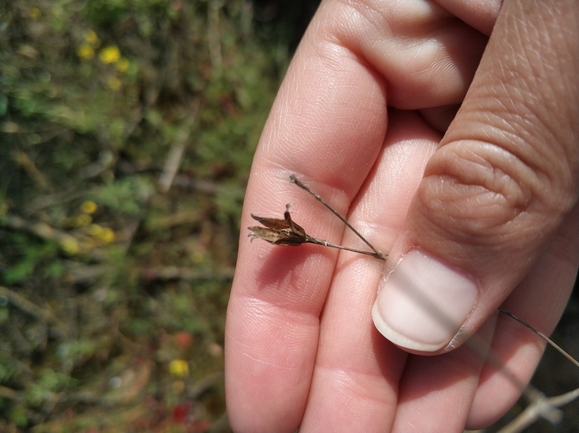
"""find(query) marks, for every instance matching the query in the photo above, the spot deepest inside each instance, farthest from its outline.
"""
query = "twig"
(33, 310)
(177, 149)
(10, 394)
(201, 185)
(130, 232)
(40, 229)
(105, 161)
(214, 37)
(173, 161)
(58, 198)
(221, 425)
(537, 409)
(204, 385)
(23, 160)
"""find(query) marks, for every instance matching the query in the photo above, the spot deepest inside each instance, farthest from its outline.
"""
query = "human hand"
(483, 216)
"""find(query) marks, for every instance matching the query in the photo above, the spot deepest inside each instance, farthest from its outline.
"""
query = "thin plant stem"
(378, 254)
(540, 334)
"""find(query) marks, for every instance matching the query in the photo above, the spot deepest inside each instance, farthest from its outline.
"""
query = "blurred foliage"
(127, 129)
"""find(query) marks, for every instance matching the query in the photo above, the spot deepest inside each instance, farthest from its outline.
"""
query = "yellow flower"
(34, 13)
(95, 230)
(114, 83)
(110, 54)
(91, 38)
(108, 235)
(83, 220)
(105, 234)
(123, 64)
(88, 207)
(70, 246)
(197, 257)
(85, 52)
(179, 368)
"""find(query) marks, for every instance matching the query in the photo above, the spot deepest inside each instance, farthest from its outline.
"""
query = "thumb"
(497, 189)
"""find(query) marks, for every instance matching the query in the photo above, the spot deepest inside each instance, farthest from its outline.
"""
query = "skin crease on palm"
(364, 118)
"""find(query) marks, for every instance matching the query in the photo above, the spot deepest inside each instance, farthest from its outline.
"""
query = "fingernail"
(423, 303)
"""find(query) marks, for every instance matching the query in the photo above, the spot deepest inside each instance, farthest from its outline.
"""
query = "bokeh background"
(127, 129)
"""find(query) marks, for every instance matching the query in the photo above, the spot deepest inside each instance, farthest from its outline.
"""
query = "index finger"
(278, 293)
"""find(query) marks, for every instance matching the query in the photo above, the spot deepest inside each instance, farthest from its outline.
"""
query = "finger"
(355, 382)
(516, 349)
(479, 14)
(441, 388)
(315, 130)
(427, 55)
(497, 189)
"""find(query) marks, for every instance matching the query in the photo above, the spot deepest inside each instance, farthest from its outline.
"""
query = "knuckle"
(484, 191)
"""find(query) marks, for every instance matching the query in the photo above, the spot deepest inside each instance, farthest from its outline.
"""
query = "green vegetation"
(127, 130)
